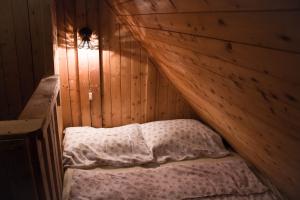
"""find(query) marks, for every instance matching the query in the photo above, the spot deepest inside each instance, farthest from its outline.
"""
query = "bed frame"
(30, 148)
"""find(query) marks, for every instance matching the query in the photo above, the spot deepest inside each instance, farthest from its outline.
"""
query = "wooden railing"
(30, 148)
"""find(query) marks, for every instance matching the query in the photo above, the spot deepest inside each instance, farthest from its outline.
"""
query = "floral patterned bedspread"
(206, 179)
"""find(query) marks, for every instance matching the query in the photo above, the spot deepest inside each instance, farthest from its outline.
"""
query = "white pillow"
(86, 147)
(182, 139)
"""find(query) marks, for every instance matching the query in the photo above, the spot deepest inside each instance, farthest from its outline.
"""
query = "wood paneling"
(27, 50)
(79, 69)
(136, 91)
(237, 63)
(125, 83)
(13, 154)
(143, 7)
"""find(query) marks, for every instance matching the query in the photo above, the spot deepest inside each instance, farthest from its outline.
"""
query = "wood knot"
(285, 38)
(221, 22)
(228, 46)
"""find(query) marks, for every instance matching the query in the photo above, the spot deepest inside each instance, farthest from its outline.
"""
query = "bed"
(174, 159)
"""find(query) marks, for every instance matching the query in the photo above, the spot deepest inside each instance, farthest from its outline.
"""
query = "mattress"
(226, 178)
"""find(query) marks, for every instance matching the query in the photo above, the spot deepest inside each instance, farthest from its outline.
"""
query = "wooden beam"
(39, 105)
(19, 128)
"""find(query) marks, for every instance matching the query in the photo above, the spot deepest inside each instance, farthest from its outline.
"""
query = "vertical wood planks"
(83, 74)
(22, 42)
(106, 96)
(124, 85)
(151, 91)
(3, 100)
(106, 79)
(37, 37)
(144, 74)
(115, 74)
(179, 107)
(48, 29)
(172, 97)
(125, 42)
(9, 60)
(162, 101)
(83, 65)
(93, 61)
(38, 156)
(26, 50)
(63, 67)
(135, 82)
(71, 57)
(15, 165)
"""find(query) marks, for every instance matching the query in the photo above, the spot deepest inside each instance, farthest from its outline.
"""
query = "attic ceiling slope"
(237, 62)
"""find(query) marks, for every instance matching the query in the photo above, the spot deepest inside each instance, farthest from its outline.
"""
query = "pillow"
(86, 147)
(182, 139)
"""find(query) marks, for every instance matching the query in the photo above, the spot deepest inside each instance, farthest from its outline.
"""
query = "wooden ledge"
(35, 113)
(14, 128)
(40, 103)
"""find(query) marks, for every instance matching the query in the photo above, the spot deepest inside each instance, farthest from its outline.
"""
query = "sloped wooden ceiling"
(237, 62)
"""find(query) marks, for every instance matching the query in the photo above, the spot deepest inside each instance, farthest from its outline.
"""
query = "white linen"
(182, 139)
(208, 179)
(86, 147)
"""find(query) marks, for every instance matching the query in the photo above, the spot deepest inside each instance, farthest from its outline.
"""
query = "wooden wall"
(237, 63)
(124, 82)
(27, 47)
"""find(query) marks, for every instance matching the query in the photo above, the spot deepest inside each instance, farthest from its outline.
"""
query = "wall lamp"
(85, 33)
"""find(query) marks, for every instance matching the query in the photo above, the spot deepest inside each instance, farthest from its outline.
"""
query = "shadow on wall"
(109, 38)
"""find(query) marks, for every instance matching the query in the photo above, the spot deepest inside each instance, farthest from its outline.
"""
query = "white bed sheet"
(226, 178)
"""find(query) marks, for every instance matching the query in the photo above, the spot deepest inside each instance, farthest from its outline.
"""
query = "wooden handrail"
(42, 100)
(36, 112)
(37, 132)
(14, 128)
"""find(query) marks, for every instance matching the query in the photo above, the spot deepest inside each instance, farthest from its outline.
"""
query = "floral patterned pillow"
(87, 147)
(182, 139)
